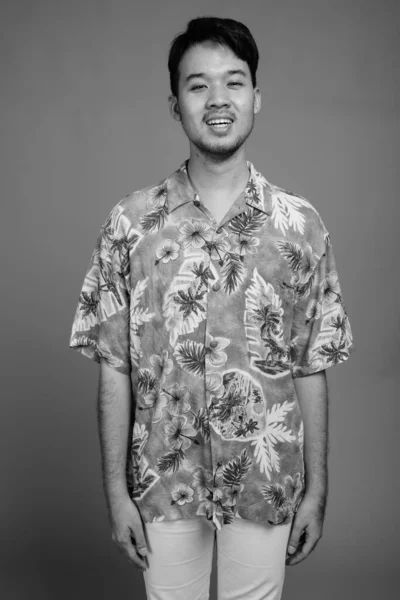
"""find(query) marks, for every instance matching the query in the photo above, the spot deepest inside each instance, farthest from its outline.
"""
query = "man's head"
(212, 69)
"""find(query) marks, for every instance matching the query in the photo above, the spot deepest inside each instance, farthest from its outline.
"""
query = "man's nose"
(218, 96)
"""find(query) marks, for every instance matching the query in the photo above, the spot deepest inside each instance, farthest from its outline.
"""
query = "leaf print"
(182, 494)
(88, 303)
(189, 301)
(155, 219)
(108, 277)
(303, 289)
(228, 514)
(170, 461)
(146, 381)
(191, 357)
(286, 211)
(201, 423)
(232, 272)
(292, 252)
(107, 231)
(156, 196)
(301, 436)
(276, 431)
(265, 341)
(141, 482)
(247, 223)
(139, 438)
(284, 499)
(274, 494)
(236, 469)
(203, 272)
(334, 353)
(138, 292)
(138, 316)
(175, 322)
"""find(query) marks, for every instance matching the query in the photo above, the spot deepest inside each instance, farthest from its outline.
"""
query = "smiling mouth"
(219, 124)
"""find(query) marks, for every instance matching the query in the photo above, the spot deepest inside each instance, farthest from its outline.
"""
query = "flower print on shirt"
(193, 233)
(182, 494)
(245, 244)
(168, 251)
(178, 399)
(214, 350)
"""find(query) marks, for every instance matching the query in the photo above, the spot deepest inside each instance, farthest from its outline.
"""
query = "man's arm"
(114, 415)
(312, 394)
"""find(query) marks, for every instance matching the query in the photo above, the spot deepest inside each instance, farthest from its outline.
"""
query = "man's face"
(214, 84)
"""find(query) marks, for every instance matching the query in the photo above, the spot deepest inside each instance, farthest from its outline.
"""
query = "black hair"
(226, 32)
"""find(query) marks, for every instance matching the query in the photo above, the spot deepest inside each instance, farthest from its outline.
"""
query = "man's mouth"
(219, 123)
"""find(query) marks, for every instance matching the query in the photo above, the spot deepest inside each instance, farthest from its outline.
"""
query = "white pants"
(250, 560)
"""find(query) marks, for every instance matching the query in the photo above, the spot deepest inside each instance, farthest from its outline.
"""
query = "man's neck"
(224, 177)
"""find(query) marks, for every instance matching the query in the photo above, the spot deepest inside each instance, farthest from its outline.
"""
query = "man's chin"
(219, 151)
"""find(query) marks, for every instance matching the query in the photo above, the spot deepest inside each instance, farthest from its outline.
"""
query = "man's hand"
(126, 524)
(306, 529)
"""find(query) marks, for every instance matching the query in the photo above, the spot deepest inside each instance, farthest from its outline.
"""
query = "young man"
(213, 305)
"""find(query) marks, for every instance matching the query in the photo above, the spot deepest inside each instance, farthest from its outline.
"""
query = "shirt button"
(213, 344)
(216, 287)
(219, 230)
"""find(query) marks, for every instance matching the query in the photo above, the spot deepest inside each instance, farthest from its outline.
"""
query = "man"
(213, 305)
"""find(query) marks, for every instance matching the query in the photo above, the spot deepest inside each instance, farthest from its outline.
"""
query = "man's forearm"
(312, 395)
(114, 414)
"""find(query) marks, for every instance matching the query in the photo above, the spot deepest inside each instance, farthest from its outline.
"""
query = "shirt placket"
(213, 288)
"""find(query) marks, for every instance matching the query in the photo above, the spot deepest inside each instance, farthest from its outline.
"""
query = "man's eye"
(196, 87)
(235, 83)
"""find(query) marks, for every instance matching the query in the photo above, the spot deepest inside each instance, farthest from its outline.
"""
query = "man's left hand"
(306, 529)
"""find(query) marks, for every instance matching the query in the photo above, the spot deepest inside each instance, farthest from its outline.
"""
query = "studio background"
(84, 122)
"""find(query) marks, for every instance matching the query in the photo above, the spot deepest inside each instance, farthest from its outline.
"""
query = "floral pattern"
(212, 322)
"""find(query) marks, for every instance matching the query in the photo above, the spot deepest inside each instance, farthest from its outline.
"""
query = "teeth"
(219, 122)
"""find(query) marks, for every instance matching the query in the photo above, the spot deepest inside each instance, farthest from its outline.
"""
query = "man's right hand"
(127, 524)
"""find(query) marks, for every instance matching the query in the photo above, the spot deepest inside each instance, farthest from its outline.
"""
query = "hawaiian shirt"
(212, 322)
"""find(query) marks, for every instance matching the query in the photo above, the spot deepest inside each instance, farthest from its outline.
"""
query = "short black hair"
(225, 32)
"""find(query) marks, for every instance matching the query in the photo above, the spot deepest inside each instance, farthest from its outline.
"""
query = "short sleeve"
(321, 334)
(101, 324)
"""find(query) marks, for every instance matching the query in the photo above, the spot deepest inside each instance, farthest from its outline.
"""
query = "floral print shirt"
(212, 322)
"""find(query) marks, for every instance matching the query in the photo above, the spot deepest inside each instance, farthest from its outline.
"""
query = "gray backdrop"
(85, 121)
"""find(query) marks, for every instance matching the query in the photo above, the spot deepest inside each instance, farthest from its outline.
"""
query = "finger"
(133, 556)
(138, 538)
(127, 548)
(295, 536)
(304, 550)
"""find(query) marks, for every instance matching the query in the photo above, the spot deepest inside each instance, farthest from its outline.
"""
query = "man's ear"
(257, 100)
(174, 107)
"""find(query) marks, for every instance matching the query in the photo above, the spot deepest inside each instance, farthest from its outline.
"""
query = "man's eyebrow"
(231, 72)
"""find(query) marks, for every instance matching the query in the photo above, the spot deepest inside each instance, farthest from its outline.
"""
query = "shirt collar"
(257, 193)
